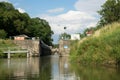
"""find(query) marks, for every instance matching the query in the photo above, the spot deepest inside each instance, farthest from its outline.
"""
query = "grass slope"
(4, 45)
(102, 47)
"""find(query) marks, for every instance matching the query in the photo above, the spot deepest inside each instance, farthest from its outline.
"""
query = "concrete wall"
(75, 36)
(64, 47)
(31, 45)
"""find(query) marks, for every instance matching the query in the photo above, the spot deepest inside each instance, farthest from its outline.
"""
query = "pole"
(27, 54)
(8, 54)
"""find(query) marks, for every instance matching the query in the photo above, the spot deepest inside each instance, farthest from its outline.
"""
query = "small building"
(90, 32)
(20, 37)
(75, 37)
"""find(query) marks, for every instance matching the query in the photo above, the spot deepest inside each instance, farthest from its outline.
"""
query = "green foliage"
(87, 30)
(3, 34)
(6, 43)
(73, 50)
(6, 6)
(2, 55)
(110, 12)
(102, 49)
(15, 23)
(40, 28)
(55, 45)
(64, 36)
(3, 45)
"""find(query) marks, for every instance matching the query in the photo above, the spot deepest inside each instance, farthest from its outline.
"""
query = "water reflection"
(92, 72)
(65, 71)
(53, 68)
(17, 69)
(45, 68)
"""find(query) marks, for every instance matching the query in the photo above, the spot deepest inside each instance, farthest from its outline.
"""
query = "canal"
(53, 68)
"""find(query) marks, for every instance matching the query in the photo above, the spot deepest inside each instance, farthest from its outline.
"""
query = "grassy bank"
(4, 45)
(102, 47)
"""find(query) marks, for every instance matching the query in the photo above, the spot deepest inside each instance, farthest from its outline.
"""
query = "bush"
(3, 34)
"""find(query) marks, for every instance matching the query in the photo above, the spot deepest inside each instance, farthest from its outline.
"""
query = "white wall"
(75, 37)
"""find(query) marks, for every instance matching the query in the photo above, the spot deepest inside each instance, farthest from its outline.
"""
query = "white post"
(8, 63)
(8, 54)
(27, 54)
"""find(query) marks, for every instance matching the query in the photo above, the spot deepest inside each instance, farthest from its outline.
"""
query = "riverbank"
(8, 44)
(103, 47)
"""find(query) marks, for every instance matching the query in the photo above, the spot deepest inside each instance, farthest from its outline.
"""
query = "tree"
(3, 34)
(64, 36)
(40, 28)
(13, 23)
(110, 12)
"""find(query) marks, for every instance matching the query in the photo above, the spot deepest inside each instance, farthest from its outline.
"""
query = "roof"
(23, 35)
(89, 32)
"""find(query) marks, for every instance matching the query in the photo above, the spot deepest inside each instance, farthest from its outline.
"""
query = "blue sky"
(37, 7)
(76, 15)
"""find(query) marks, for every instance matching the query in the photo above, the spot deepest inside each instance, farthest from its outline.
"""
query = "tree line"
(13, 23)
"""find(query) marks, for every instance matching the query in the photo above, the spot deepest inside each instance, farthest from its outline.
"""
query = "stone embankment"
(64, 47)
(31, 45)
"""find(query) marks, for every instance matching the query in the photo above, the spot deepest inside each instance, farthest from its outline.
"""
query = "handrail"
(12, 49)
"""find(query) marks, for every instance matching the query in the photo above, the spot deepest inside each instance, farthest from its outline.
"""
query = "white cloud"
(56, 10)
(88, 5)
(75, 21)
(21, 10)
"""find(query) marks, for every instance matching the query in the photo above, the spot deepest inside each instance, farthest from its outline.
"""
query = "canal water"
(53, 68)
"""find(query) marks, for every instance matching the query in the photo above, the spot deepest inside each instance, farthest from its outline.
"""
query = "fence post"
(27, 54)
(8, 54)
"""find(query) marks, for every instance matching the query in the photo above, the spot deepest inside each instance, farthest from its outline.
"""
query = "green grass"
(4, 44)
(102, 47)
(7, 44)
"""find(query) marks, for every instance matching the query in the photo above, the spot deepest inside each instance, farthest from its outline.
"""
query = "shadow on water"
(45, 68)
(90, 72)
(53, 68)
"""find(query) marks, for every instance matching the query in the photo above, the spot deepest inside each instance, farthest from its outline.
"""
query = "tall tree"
(12, 23)
(40, 28)
(110, 12)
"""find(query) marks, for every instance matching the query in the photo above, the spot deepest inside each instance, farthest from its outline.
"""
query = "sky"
(75, 15)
